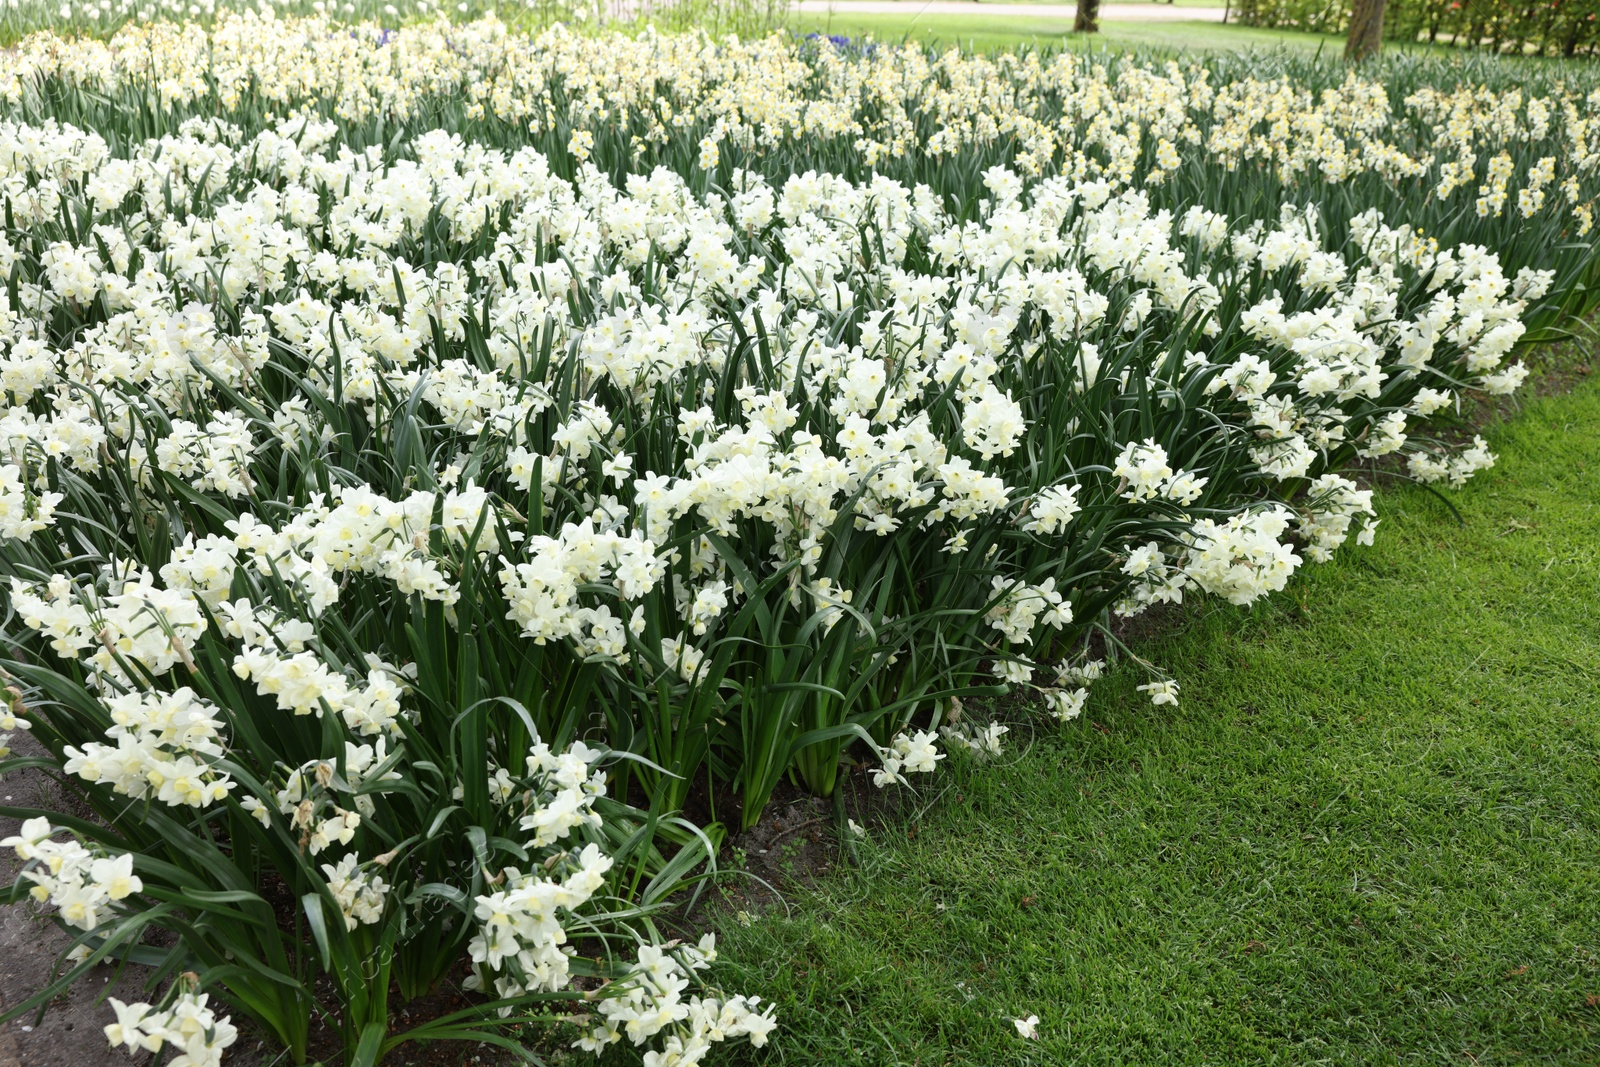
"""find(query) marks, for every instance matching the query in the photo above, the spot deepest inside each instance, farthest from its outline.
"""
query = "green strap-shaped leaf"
(370, 1047)
(317, 920)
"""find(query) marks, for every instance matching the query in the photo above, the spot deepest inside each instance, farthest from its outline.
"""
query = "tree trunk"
(1366, 30)
(1088, 20)
(1475, 34)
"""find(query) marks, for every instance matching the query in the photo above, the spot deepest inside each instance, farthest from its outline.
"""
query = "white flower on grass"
(1066, 704)
(984, 741)
(908, 753)
(1164, 692)
(1242, 559)
(1027, 1028)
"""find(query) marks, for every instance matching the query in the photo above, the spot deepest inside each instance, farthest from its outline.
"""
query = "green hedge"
(1547, 27)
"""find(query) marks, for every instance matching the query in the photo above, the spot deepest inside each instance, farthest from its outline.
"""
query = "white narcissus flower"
(1064, 704)
(1163, 692)
(116, 876)
(33, 831)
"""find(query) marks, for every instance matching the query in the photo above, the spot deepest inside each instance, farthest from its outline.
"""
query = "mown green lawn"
(1010, 31)
(1222, 4)
(1370, 834)
(992, 33)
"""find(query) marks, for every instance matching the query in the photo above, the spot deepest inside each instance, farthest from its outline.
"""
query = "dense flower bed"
(431, 455)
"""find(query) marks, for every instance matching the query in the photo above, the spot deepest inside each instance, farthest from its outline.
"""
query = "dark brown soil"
(70, 1034)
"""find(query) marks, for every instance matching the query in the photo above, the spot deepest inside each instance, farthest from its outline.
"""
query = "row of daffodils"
(432, 456)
